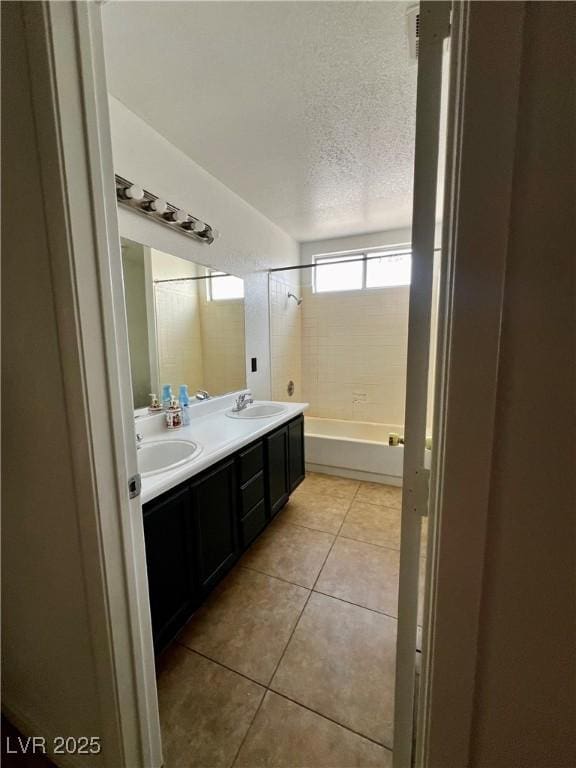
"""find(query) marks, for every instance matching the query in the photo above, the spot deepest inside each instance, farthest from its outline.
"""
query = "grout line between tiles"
(370, 543)
(233, 761)
(273, 576)
(225, 666)
(356, 605)
(377, 504)
(331, 719)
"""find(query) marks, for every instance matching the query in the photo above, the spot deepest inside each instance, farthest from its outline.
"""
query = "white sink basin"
(161, 455)
(257, 412)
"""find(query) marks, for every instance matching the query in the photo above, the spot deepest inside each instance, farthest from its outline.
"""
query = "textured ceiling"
(304, 109)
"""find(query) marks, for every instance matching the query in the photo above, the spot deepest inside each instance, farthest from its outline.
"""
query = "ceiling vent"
(413, 30)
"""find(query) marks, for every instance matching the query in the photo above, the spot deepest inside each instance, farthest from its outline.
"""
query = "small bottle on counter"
(166, 396)
(173, 415)
(154, 406)
(184, 404)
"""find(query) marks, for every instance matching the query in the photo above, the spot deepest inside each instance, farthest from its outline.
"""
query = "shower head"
(296, 299)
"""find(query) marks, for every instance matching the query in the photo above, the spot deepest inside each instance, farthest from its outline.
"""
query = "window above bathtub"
(223, 287)
(362, 270)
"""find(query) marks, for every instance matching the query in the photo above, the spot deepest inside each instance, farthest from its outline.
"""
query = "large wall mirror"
(185, 324)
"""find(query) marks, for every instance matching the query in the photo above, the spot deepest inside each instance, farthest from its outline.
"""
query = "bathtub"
(353, 449)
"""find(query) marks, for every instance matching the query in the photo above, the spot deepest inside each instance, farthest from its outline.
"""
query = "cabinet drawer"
(252, 524)
(252, 493)
(251, 461)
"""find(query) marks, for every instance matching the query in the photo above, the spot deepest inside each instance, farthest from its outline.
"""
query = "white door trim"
(71, 114)
(487, 50)
(434, 28)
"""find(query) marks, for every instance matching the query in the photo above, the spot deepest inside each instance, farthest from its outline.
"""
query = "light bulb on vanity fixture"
(176, 217)
(158, 206)
(194, 225)
(133, 192)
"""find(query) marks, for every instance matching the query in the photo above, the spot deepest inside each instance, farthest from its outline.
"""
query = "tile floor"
(290, 662)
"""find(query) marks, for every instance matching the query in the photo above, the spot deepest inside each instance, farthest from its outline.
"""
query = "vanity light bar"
(141, 201)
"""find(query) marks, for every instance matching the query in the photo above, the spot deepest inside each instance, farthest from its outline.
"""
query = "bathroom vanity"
(200, 518)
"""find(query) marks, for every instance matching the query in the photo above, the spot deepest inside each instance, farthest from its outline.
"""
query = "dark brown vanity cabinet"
(215, 533)
(253, 516)
(170, 563)
(277, 466)
(195, 533)
(296, 470)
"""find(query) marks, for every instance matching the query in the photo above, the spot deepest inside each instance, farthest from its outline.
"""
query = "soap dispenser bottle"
(184, 404)
(174, 415)
(166, 396)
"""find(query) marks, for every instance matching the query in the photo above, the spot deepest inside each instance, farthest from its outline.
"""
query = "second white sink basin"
(257, 412)
(161, 455)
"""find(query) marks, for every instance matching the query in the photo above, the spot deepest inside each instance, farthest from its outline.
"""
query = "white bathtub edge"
(355, 474)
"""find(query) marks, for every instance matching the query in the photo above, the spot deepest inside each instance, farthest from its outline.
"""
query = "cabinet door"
(277, 470)
(215, 524)
(296, 452)
(169, 562)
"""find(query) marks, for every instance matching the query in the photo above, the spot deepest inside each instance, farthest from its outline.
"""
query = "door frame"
(70, 105)
(486, 54)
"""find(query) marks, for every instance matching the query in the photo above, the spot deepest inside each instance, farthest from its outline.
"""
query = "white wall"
(286, 335)
(248, 241)
(53, 667)
(525, 705)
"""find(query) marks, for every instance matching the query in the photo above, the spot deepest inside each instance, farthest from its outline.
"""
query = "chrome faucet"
(242, 401)
(202, 395)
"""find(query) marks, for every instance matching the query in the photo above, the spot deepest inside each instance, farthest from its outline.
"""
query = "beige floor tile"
(290, 552)
(366, 575)
(363, 574)
(375, 493)
(372, 523)
(205, 710)
(316, 511)
(329, 486)
(246, 622)
(285, 735)
(340, 662)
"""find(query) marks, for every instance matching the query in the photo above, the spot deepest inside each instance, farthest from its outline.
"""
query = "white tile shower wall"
(222, 327)
(285, 336)
(354, 344)
(178, 332)
(177, 312)
(354, 348)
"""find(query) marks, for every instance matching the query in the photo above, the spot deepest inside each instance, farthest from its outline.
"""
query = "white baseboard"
(355, 474)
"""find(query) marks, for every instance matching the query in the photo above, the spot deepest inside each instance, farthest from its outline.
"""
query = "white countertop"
(218, 434)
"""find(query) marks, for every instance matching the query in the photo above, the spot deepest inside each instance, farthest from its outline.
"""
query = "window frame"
(219, 273)
(364, 255)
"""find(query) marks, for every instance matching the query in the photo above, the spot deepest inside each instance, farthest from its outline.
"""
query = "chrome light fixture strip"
(141, 201)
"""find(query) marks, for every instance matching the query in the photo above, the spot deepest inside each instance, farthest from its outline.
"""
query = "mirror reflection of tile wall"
(183, 326)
